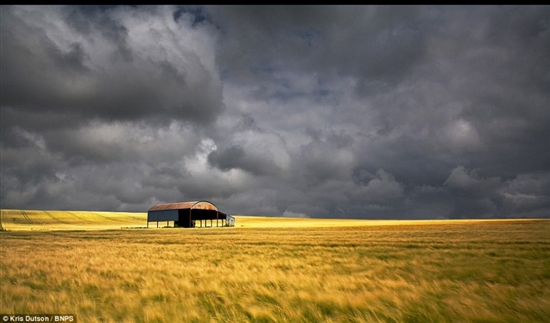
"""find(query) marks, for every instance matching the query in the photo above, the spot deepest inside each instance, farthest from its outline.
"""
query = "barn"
(189, 214)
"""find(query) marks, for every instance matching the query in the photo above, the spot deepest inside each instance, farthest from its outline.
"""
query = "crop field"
(105, 267)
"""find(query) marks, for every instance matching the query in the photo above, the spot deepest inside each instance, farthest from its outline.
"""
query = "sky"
(376, 112)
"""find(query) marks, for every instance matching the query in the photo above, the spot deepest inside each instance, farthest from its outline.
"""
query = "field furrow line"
(136, 217)
(108, 218)
(26, 216)
(54, 218)
(79, 217)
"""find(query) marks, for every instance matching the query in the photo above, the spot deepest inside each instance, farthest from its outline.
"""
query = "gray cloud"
(324, 111)
(92, 72)
(251, 149)
(486, 197)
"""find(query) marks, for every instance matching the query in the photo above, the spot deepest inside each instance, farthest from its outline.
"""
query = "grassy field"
(24, 220)
(43, 220)
(274, 269)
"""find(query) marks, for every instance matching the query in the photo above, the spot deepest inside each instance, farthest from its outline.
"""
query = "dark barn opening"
(189, 215)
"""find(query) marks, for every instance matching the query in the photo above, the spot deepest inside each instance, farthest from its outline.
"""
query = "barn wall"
(183, 219)
(197, 214)
(163, 215)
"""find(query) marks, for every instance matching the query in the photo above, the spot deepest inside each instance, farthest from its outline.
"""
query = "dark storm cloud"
(378, 45)
(87, 19)
(486, 196)
(82, 65)
(328, 111)
(228, 159)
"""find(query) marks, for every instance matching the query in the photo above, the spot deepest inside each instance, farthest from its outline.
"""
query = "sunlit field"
(103, 267)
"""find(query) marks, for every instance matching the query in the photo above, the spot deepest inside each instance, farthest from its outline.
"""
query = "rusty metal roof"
(202, 205)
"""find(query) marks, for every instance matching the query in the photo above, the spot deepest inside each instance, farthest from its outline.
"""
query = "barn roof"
(202, 205)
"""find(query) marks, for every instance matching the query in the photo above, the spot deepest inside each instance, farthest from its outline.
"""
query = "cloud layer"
(321, 111)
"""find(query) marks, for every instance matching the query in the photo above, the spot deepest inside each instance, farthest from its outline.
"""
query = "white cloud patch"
(253, 150)
(382, 187)
(463, 135)
(464, 179)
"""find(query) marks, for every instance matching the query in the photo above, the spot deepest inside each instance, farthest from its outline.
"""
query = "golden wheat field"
(102, 267)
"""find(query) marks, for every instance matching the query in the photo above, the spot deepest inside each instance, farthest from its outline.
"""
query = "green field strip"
(109, 218)
(19, 219)
(3, 216)
(54, 218)
(69, 218)
(12, 216)
(26, 216)
(137, 217)
(93, 218)
(79, 217)
(39, 217)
